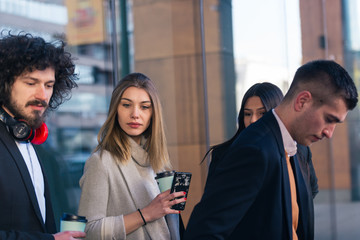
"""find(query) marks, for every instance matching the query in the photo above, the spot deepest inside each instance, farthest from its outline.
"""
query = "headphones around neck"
(21, 131)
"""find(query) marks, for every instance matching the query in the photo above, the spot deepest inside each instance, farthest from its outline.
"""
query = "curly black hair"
(23, 53)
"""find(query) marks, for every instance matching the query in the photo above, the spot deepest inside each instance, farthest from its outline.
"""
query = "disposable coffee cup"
(164, 180)
(71, 222)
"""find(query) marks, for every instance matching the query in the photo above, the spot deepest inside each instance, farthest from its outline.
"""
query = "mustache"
(37, 103)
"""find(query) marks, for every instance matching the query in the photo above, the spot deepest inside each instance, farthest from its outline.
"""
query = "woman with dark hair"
(120, 196)
(259, 99)
(267, 95)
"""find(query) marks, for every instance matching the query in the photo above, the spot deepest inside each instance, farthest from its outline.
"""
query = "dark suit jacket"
(248, 195)
(304, 157)
(20, 216)
(308, 171)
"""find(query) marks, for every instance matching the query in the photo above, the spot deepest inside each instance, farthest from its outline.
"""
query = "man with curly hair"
(35, 77)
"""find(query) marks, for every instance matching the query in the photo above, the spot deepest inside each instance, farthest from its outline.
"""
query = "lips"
(37, 107)
(315, 139)
(134, 125)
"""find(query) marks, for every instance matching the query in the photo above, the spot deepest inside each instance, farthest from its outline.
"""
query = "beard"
(35, 119)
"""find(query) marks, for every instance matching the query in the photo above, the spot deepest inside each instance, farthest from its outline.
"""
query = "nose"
(254, 118)
(328, 132)
(41, 93)
(135, 113)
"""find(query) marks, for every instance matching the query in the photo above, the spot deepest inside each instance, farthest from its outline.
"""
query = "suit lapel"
(287, 194)
(21, 165)
(274, 126)
(302, 198)
(49, 223)
(302, 194)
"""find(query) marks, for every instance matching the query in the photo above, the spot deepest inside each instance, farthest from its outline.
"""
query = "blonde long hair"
(113, 139)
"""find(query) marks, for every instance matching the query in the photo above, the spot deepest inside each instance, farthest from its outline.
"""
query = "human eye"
(145, 107)
(30, 83)
(330, 120)
(50, 85)
(259, 115)
(247, 114)
(125, 104)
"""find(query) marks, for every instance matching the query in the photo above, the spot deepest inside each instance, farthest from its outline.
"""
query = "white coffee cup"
(71, 222)
(164, 180)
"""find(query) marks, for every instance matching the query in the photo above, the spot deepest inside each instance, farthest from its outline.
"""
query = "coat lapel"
(302, 194)
(274, 126)
(21, 165)
(141, 195)
(287, 195)
(134, 180)
(50, 224)
(302, 198)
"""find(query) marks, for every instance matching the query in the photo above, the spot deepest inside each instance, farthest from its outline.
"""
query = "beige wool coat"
(111, 190)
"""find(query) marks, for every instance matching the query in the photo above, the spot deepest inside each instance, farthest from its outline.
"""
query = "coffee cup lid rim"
(164, 174)
(73, 217)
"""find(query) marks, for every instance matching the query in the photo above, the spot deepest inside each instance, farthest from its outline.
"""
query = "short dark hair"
(324, 79)
(23, 53)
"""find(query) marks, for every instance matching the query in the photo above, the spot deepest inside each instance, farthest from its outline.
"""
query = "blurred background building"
(203, 55)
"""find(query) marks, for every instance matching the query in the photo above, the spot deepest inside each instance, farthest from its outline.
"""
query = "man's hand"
(69, 235)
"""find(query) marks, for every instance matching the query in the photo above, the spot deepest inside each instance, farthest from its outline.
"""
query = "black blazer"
(304, 157)
(308, 171)
(20, 216)
(248, 195)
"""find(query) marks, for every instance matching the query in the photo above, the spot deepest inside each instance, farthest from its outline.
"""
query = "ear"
(301, 100)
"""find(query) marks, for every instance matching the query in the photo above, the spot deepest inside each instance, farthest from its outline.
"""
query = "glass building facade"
(203, 55)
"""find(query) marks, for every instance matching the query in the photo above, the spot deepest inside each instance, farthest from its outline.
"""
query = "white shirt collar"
(289, 143)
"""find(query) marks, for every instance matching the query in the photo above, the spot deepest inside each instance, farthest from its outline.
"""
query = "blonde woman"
(120, 197)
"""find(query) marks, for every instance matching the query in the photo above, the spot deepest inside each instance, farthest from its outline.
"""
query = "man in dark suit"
(35, 76)
(257, 190)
